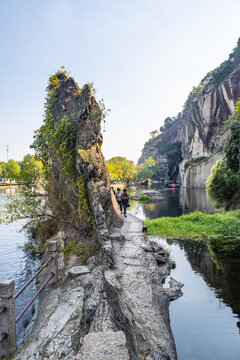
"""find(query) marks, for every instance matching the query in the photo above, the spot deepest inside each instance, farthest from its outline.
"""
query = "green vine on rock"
(55, 145)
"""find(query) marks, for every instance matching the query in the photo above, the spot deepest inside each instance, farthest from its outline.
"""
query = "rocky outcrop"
(198, 130)
(93, 192)
(131, 297)
(110, 313)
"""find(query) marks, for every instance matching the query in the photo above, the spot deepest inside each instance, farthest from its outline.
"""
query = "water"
(205, 320)
(17, 265)
(176, 202)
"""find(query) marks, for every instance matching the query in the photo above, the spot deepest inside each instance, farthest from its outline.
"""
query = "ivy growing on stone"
(55, 146)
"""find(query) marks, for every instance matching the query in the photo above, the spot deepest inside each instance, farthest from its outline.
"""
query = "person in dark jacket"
(125, 201)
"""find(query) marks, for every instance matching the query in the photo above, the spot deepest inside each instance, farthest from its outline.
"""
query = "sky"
(144, 57)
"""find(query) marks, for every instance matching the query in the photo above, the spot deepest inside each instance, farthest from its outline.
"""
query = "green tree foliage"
(121, 169)
(2, 168)
(31, 169)
(223, 184)
(167, 123)
(12, 170)
(148, 169)
(232, 149)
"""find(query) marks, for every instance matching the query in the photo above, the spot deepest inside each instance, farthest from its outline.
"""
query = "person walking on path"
(118, 196)
(125, 201)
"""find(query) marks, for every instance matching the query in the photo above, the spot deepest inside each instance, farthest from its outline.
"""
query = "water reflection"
(218, 269)
(175, 203)
(202, 321)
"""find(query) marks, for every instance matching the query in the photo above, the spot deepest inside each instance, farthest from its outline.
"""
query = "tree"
(121, 169)
(31, 169)
(147, 169)
(12, 170)
(2, 168)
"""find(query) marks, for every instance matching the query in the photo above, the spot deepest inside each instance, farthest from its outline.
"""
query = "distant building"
(7, 181)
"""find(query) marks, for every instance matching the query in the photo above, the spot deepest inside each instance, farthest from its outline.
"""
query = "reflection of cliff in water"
(219, 271)
(194, 199)
(175, 203)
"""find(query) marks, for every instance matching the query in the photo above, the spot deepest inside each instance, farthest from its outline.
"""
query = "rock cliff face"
(86, 192)
(80, 107)
(196, 176)
(199, 128)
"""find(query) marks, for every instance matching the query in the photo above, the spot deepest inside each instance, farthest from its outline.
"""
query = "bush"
(143, 198)
(42, 230)
(223, 186)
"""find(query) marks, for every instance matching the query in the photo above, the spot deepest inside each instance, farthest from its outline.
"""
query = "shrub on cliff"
(223, 185)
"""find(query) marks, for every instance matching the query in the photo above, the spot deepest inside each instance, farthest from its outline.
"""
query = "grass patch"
(197, 225)
(143, 198)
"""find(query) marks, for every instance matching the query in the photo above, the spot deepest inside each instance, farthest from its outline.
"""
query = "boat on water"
(169, 186)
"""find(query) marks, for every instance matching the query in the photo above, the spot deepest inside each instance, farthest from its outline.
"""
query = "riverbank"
(198, 225)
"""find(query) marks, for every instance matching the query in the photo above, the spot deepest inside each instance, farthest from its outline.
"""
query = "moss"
(82, 250)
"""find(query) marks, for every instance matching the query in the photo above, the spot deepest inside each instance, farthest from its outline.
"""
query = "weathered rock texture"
(197, 175)
(81, 108)
(131, 298)
(198, 130)
(110, 313)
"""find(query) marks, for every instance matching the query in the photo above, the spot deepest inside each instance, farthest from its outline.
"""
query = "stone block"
(6, 288)
(78, 270)
(52, 245)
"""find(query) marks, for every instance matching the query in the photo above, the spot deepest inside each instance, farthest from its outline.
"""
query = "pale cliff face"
(199, 130)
